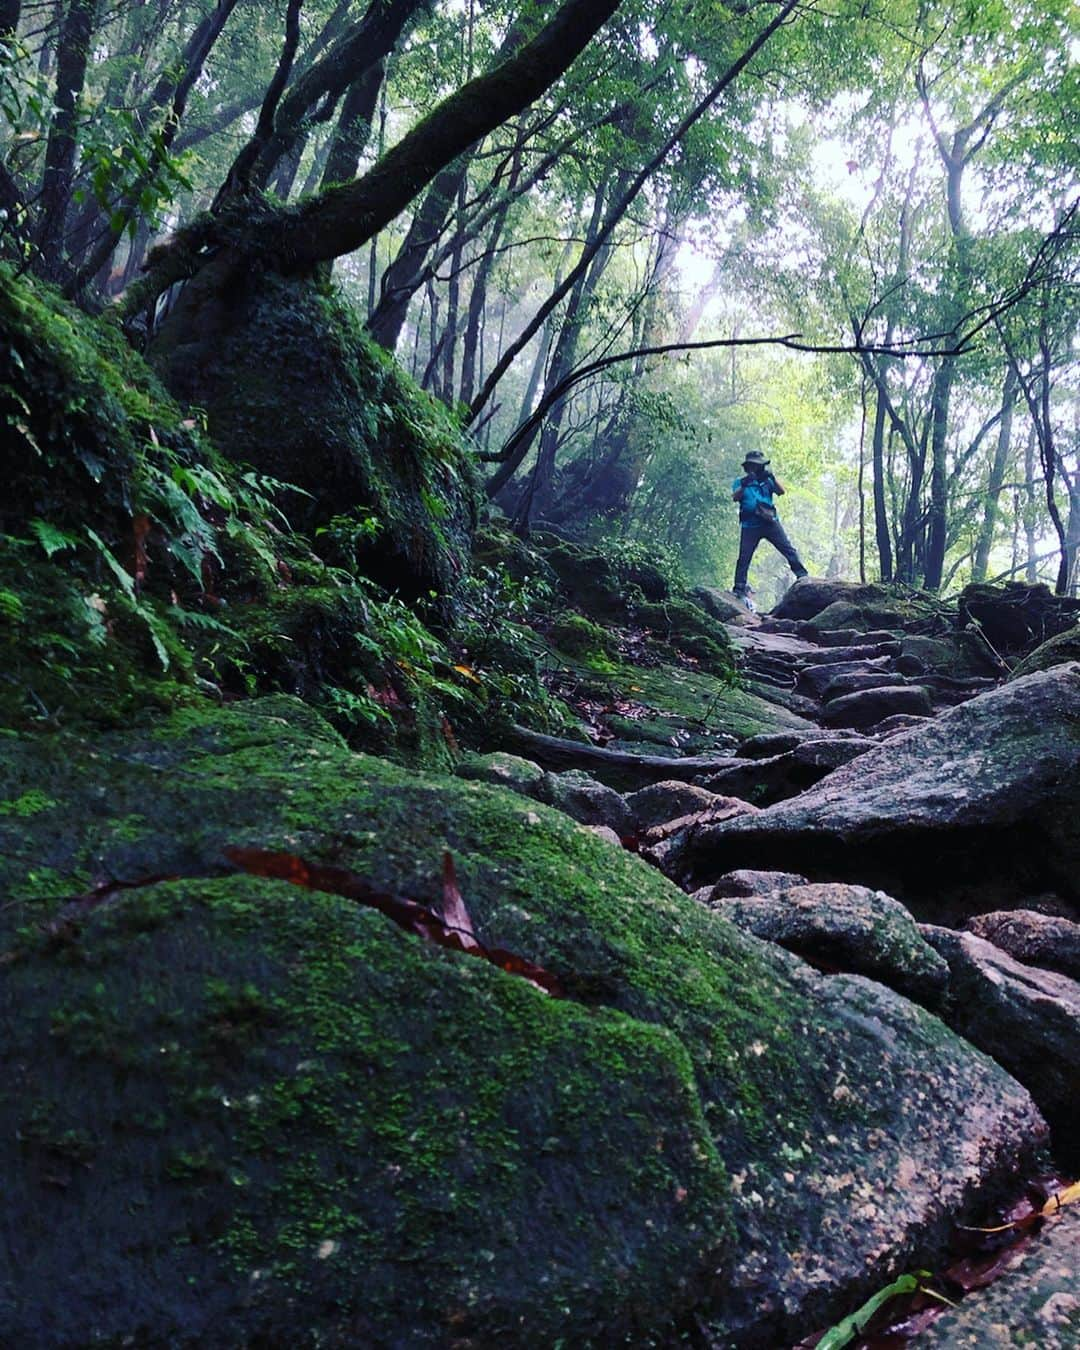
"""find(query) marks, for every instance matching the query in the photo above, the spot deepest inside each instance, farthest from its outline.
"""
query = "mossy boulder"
(1017, 617)
(1054, 652)
(237, 1111)
(576, 635)
(292, 384)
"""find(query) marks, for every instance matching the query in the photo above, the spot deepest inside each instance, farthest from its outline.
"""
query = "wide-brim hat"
(756, 457)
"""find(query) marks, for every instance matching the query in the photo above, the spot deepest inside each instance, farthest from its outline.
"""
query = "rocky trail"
(768, 1008)
(918, 831)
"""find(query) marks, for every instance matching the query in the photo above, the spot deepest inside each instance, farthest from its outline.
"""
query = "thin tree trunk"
(620, 208)
(988, 529)
(72, 56)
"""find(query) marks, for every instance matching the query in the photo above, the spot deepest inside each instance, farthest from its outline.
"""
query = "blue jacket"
(757, 490)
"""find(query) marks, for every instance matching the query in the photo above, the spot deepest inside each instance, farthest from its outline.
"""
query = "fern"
(51, 538)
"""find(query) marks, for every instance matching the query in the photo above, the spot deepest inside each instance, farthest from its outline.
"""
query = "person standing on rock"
(754, 490)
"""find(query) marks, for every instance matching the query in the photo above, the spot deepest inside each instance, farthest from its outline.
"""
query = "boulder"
(860, 652)
(815, 594)
(815, 679)
(768, 744)
(720, 808)
(975, 805)
(1054, 652)
(743, 882)
(867, 615)
(1016, 617)
(585, 800)
(234, 1109)
(724, 606)
(1027, 1019)
(1035, 1306)
(1036, 939)
(957, 654)
(867, 707)
(574, 791)
(856, 681)
(848, 928)
(502, 770)
(662, 802)
(895, 725)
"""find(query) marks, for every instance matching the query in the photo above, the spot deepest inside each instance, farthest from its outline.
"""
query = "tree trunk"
(619, 209)
(72, 55)
(985, 541)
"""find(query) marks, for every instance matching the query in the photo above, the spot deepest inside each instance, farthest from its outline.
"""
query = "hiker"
(758, 520)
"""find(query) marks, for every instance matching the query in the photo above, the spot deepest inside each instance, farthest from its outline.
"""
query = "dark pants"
(752, 535)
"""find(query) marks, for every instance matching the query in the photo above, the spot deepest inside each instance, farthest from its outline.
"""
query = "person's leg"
(749, 538)
(774, 533)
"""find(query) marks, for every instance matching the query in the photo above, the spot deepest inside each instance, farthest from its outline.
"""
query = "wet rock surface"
(1045, 940)
(378, 1126)
(1035, 1307)
(846, 928)
(975, 804)
(1027, 1018)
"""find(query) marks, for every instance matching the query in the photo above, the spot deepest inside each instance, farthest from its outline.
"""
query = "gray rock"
(743, 882)
(585, 800)
(861, 652)
(895, 725)
(815, 594)
(1026, 1018)
(1035, 1306)
(724, 606)
(1036, 939)
(857, 681)
(662, 802)
(815, 679)
(851, 928)
(764, 781)
(770, 743)
(976, 806)
(866, 707)
(721, 808)
(706, 1101)
(502, 770)
(1055, 652)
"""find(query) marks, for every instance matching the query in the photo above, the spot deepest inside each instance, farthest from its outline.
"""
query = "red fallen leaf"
(407, 914)
(976, 1272)
(454, 913)
(140, 528)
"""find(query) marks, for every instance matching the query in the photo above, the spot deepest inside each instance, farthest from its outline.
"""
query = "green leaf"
(51, 538)
(846, 1331)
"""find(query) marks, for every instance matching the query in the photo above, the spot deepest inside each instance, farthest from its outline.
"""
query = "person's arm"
(778, 487)
(736, 496)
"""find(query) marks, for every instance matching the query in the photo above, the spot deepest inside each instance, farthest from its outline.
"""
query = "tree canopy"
(623, 241)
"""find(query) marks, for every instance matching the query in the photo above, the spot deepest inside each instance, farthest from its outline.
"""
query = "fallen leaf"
(407, 914)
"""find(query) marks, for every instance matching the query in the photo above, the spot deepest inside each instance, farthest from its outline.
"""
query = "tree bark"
(985, 541)
(73, 53)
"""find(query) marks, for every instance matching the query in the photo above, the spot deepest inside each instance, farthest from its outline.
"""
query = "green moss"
(294, 385)
(378, 1135)
(578, 636)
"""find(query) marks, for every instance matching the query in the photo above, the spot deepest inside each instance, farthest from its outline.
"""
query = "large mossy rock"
(236, 1111)
(978, 804)
(292, 384)
(1055, 651)
(1017, 617)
